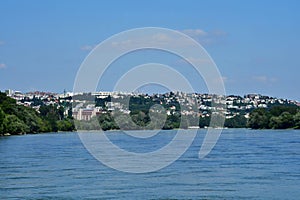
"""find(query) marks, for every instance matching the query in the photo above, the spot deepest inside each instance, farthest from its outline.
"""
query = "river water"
(244, 164)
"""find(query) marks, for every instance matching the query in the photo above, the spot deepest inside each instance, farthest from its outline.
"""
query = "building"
(85, 114)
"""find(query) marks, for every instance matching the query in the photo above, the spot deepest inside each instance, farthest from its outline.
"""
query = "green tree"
(7, 104)
(14, 125)
(140, 118)
(259, 119)
(61, 112)
(284, 121)
(106, 122)
(297, 120)
(30, 118)
(51, 115)
(204, 122)
(238, 121)
(172, 121)
(65, 125)
(2, 117)
(278, 110)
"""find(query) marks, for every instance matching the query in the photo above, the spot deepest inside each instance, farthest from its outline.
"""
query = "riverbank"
(114, 130)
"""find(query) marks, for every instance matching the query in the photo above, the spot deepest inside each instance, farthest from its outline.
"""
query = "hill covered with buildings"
(89, 111)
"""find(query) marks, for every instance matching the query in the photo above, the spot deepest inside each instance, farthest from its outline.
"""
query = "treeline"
(142, 120)
(238, 121)
(137, 121)
(277, 117)
(18, 119)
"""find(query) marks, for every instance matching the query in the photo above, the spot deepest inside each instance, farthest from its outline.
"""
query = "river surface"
(244, 164)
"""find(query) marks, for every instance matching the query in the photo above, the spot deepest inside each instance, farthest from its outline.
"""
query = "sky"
(255, 44)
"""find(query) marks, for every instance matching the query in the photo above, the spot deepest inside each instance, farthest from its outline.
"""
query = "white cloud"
(124, 43)
(264, 79)
(195, 60)
(161, 37)
(205, 37)
(166, 39)
(260, 78)
(218, 33)
(195, 32)
(225, 78)
(2, 65)
(87, 47)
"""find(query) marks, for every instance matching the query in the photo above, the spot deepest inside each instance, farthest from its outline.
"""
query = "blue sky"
(255, 44)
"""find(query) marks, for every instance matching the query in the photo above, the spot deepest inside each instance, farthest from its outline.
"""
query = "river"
(244, 164)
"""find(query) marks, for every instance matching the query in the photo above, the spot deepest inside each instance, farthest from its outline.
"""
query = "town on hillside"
(85, 106)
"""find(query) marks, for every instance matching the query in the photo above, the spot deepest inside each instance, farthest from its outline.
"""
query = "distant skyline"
(255, 44)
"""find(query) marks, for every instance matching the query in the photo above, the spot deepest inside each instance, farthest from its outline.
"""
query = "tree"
(51, 115)
(277, 117)
(106, 122)
(284, 121)
(204, 122)
(140, 118)
(238, 121)
(297, 120)
(14, 125)
(16, 119)
(30, 118)
(7, 104)
(2, 117)
(259, 119)
(278, 110)
(65, 125)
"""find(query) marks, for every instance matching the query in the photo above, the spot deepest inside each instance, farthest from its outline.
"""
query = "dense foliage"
(238, 121)
(19, 119)
(142, 120)
(277, 117)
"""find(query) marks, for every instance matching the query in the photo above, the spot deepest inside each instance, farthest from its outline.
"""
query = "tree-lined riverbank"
(20, 119)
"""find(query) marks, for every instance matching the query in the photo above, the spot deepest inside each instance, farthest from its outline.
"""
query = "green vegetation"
(238, 121)
(277, 117)
(145, 113)
(18, 119)
(136, 121)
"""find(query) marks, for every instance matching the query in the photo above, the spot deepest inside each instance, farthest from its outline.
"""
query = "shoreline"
(118, 130)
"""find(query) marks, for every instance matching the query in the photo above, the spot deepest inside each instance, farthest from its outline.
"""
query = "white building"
(85, 113)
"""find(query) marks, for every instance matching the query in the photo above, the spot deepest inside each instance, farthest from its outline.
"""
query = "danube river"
(245, 164)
